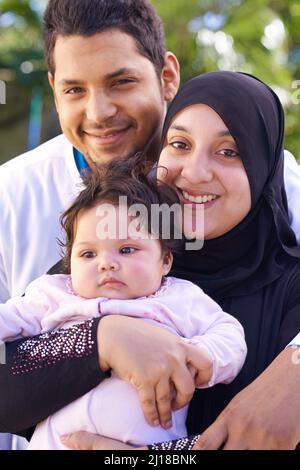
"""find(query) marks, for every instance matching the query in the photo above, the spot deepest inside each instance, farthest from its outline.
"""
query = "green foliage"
(22, 9)
(244, 23)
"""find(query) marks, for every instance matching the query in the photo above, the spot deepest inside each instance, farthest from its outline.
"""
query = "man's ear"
(170, 76)
(51, 82)
(167, 260)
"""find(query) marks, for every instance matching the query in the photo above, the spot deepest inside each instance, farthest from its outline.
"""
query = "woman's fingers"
(147, 398)
(213, 438)
(185, 386)
(164, 393)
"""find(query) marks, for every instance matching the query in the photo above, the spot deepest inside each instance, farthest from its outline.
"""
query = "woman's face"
(204, 164)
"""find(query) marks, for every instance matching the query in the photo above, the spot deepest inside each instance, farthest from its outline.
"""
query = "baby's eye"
(89, 254)
(127, 250)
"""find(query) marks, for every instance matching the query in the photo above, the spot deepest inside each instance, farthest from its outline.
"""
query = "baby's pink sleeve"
(206, 325)
(21, 316)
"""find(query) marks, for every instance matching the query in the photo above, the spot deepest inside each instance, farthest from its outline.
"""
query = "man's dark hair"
(134, 178)
(136, 18)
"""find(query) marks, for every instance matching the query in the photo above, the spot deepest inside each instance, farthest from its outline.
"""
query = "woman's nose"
(198, 168)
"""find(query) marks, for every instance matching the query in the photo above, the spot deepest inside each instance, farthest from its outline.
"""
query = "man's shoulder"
(55, 149)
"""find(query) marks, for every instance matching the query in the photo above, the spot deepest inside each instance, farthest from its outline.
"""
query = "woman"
(249, 263)
(222, 145)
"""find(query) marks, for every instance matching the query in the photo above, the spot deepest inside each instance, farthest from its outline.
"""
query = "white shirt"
(35, 188)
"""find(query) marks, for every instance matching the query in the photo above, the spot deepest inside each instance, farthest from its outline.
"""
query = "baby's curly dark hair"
(134, 178)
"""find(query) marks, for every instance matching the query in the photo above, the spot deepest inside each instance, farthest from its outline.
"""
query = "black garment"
(253, 271)
(270, 321)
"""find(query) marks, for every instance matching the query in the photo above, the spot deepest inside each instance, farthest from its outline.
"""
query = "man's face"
(108, 96)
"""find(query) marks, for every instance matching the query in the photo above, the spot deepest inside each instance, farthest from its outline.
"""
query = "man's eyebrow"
(224, 133)
(121, 71)
(109, 76)
(66, 81)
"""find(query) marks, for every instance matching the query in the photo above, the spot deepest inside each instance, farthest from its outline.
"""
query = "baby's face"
(107, 262)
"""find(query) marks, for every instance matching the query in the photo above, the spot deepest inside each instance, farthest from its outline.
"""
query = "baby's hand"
(203, 372)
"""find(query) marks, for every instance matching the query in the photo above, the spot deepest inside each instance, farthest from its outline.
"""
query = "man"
(111, 77)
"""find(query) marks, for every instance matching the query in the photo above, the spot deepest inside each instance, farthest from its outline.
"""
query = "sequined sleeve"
(40, 375)
(51, 348)
(186, 443)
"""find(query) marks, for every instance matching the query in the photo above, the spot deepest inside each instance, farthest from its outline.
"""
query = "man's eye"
(88, 254)
(74, 91)
(124, 81)
(127, 250)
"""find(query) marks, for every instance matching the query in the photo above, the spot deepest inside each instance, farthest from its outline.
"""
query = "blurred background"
(261, 37)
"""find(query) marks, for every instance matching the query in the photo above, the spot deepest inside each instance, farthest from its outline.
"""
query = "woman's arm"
(45, 373)
(42, 374)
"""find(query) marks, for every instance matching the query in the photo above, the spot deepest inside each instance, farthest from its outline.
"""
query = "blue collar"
(80, 161)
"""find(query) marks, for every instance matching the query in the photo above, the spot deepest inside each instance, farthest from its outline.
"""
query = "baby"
(116, 263)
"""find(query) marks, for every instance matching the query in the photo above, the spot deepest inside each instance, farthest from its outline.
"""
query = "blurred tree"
(23, 69)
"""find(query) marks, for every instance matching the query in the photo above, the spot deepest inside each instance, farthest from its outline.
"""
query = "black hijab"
(252, 271)
(244, 259)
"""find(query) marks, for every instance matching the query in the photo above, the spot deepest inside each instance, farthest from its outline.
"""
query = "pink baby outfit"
(112, 408)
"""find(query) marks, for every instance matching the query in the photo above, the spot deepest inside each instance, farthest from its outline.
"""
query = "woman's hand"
(87, 441)
(156, 362)
(265, 415)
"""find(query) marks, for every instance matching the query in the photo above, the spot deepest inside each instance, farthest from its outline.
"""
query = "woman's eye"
(179, 145)
(229, 153)
(127, 250)
(89, 254)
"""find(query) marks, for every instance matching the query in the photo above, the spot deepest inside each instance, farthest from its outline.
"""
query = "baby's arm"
(21, 316)
(204, 324)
